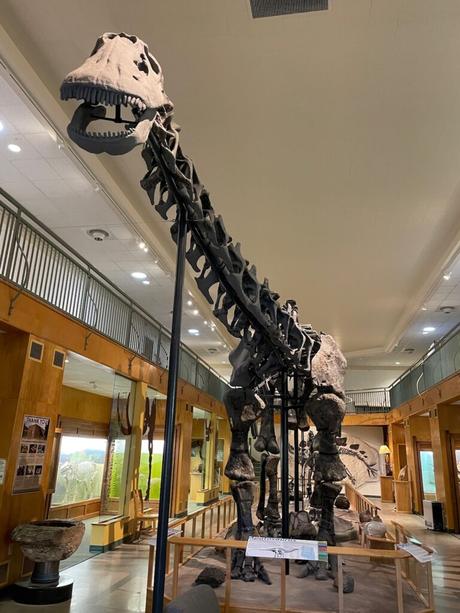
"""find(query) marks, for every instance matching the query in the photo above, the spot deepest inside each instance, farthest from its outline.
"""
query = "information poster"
(32, 451)
(286, 549)
(2, 470)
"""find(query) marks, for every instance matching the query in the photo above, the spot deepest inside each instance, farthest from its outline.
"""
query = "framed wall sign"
(31, 457)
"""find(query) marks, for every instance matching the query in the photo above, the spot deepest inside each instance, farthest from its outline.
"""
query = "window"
(427, 470)
(80, 469)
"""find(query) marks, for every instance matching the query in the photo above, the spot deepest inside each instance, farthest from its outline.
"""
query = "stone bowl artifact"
(47, 542)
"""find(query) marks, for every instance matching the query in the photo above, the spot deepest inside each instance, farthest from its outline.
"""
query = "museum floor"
(114, 582)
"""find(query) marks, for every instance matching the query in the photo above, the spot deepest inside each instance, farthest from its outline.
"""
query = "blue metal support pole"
(167, 470)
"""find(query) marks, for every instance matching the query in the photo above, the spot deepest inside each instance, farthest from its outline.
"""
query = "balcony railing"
(38, 262)
(375, 400)
(440, 362)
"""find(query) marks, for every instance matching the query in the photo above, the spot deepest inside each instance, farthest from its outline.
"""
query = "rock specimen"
(342, 502)
(211, 575)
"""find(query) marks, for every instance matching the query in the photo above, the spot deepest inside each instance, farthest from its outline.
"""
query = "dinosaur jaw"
(101, 109)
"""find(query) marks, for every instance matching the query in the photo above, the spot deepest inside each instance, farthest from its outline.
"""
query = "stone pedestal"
(46, 542)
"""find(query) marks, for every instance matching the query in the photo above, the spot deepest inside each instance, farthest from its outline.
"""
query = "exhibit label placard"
(31, 458)
(286, 549)
(417, 552)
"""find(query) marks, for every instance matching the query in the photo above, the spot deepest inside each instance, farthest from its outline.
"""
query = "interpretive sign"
(32, 449)
(286, 549)
(417, 552)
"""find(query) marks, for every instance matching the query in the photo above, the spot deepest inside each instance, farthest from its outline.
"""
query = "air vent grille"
(273, 8)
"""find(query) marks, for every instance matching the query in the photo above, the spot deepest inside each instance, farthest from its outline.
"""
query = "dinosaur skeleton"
(123, 105)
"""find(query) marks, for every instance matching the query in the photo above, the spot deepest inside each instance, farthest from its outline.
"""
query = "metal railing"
(440, 362)
(37, 261)
(376, 400)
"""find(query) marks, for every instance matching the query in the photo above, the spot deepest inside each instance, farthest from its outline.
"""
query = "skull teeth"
(95, 95)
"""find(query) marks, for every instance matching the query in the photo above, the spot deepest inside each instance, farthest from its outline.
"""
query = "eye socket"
(142, 64)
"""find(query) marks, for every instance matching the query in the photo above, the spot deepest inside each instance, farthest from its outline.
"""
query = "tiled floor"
(446, 564)
(114, 582)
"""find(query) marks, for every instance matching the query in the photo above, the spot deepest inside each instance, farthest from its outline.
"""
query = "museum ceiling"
(329, 142)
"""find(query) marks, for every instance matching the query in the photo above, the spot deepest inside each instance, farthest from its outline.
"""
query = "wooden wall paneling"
(395, 439)
(33, 316)
(85, 405)
(411, 465)
(38, 394)
(443, 420)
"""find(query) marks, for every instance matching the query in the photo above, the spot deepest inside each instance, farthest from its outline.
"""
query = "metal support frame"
(170, 418)
(285, 461)
(296, 451)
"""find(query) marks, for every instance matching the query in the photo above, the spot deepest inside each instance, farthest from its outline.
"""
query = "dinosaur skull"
(119, 76)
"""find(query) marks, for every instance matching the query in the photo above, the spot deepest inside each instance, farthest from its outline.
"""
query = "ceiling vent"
(274, 8)
(408, 350)
(447, 310)
(212, 350)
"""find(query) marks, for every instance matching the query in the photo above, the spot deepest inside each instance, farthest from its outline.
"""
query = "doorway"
(426, 476)
(455, 448)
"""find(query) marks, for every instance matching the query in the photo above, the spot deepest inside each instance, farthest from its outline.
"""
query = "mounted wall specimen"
(278, 362)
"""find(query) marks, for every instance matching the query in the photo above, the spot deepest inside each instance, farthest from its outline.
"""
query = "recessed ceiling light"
(428, 329)
(190, 293)
(139, 275)
(142, 245)
(66, 360)
(205, 322)
(196, 312)
(14, 148)
(1, 126)
(146, 249)
(424, 308)
(194, 332)
(155, 261)
(189, 303)
(446, 276)
(146, 282)
(397, 363)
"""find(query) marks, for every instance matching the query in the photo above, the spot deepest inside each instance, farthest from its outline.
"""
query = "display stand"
(386, 489)
(403, 496)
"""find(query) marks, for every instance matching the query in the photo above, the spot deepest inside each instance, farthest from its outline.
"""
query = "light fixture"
(139, 275)
(385, 451)
(14, 148)
(67, 360)
(146, 282)
(189, 303)
(196, 312)
(424, 308)
(428, 329)
(194, 332)
(446, 276)
(190, 293)
(205, 322)
(1, 126)
(146, 249)
(142, 245)
(397, 363)
(155, 261)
